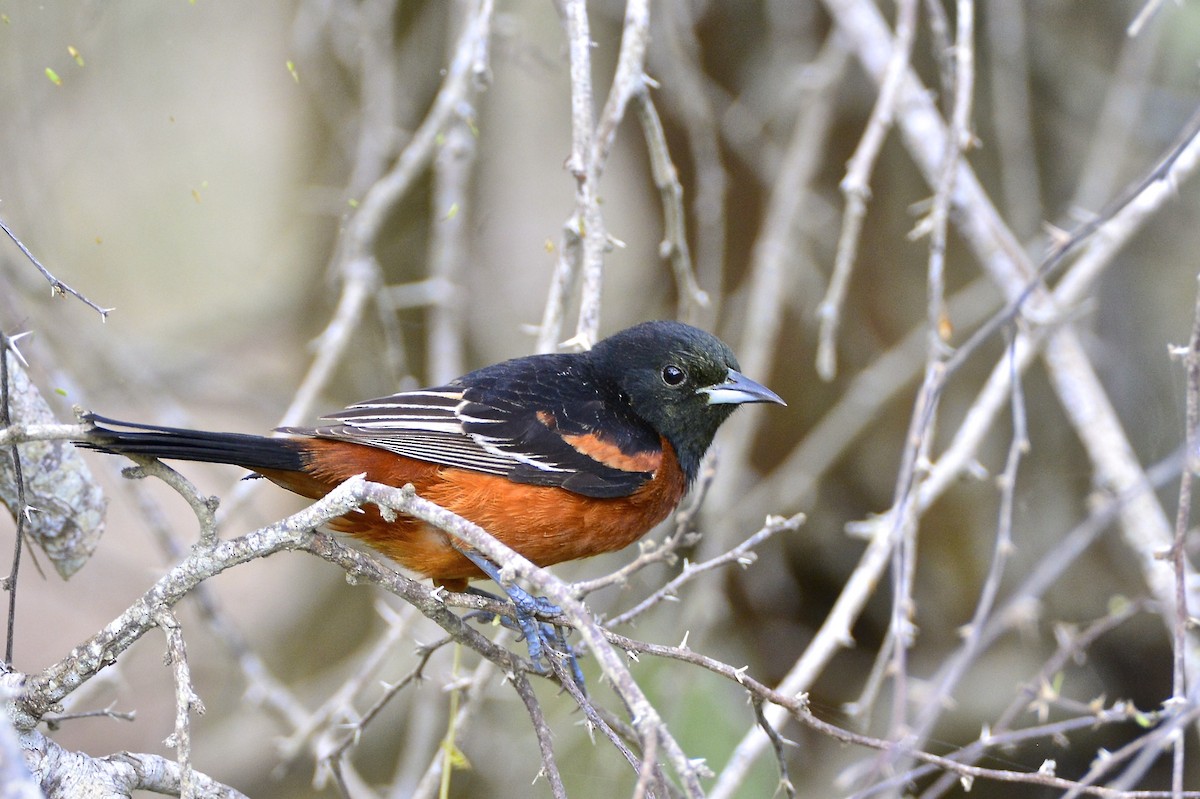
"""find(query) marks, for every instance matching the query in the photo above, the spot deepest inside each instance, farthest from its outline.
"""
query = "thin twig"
(674, 247)
(949, 676)
(204, 507)
(596, 720)
(649, 552)
(340, 701)
(856, 188)
(781, 258)
(777, 743)
(542, 731)
(390, 690)
(372, 212)
(57, 287)
(263, 688)
(1003, 257)
(586, 215)
(1183, 515)
(742, 554)
(9, 583)
(647, 772)
(513, 566)
(1147, 12)
(919, 440)
(186, 700)
(941, 47)
(628, 80)
(53, 723)
(681, 70)
(469, 707)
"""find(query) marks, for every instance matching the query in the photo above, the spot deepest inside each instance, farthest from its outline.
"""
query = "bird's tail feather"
(177, 443)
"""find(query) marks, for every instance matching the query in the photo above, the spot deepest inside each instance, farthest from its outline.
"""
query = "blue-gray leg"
(527, 607)
(525, 604)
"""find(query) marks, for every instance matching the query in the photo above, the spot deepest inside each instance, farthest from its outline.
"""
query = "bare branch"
(186, 701)
(466, 66)
(856, 189)
(119, 774)
(542, 729)
(41, 692)
(674, 247)
(57, 287)
(1179, 559)
(742, 554)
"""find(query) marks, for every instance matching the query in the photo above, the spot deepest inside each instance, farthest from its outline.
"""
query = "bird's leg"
(527, 608)
(558, 632)
(525, 604)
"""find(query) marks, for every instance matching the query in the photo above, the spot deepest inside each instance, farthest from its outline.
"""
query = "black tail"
(176, 443)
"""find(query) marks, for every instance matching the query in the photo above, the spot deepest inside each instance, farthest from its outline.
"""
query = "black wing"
(542, 420)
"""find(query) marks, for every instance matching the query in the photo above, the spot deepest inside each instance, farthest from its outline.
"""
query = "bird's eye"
(672, 375)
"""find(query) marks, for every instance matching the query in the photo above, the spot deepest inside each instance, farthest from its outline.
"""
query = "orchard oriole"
(559, 456)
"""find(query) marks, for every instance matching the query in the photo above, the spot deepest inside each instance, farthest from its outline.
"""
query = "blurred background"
(193, 165)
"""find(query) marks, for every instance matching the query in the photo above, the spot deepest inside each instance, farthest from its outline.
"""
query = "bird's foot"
(544, 639)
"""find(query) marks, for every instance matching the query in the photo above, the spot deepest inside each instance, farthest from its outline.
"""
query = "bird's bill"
(738, 389)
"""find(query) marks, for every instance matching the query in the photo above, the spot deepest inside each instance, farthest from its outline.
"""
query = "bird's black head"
(681, 380)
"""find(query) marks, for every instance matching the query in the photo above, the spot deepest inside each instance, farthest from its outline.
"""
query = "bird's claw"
(539, 636)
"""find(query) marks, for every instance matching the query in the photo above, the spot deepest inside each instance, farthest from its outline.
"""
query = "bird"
(560, 456)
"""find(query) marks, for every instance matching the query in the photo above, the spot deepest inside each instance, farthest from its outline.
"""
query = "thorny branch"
(296, 532)
(585, 238)
(45, 690)
(730, 131)
(1081, 395)
(57, 287)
